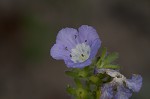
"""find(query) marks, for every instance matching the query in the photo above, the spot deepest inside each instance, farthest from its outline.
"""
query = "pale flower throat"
(117, 77)
(80, 53)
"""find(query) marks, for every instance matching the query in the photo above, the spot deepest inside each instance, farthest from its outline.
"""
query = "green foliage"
(112, 66)
(104, 51)
(81, 93)
(84, 80)
(110, 58)
(87, 82)
(70, 90)
(78, 82)
(71, 74)
(94, 79)
(106, 60)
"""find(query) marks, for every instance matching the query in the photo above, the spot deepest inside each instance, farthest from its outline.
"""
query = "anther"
(82, 55)
(70, 55)
(66, 48)
(75, 36)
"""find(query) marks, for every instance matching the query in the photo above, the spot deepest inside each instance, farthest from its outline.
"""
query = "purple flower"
(107, 92)
(134, 83)
(123, 93)
(76, 47)
(120, 87)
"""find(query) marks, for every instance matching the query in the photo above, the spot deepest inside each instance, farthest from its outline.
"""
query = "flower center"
(80, 53)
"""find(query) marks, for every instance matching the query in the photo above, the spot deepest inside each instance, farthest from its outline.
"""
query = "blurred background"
(28, 29)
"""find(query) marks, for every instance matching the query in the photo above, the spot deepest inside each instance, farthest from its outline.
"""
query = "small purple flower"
(76, 47)
(135, 83)
(120, 87)
(107, 92)
(123, 93)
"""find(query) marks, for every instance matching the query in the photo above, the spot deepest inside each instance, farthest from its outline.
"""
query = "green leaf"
(111, 66)
(104, 51)
(101, 76)
(76, 70)
(82, 74)
(97, 94)
(110, 58)
(103, 55)
(78, 82)
(70, 73)
(70, 90)
(87, 85)
(87, 68)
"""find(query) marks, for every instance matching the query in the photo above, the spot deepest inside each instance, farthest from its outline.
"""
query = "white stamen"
(80, 53)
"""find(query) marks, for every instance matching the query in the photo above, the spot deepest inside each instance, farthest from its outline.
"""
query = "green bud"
(94, 79)
(81, 93)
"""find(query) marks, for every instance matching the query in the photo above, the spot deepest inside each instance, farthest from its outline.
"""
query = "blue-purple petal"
(71, 64)
(95, 47)
(135, 83)
(123, 93)
(87, 34)
(67, 37)
(107, 91)
(58, 52)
